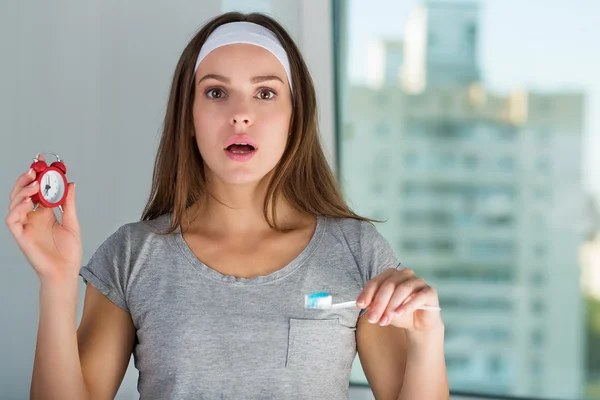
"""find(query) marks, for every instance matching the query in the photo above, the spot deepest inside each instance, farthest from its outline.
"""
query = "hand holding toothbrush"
(402, 299)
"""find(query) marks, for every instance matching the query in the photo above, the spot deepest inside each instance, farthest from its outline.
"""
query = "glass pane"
(469, 127)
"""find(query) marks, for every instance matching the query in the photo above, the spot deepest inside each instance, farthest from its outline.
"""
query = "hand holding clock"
(53, 248)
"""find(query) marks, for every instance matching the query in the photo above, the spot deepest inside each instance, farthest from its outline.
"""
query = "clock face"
(52, 186)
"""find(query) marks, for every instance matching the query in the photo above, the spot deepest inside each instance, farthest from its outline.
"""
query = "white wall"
(89, 80)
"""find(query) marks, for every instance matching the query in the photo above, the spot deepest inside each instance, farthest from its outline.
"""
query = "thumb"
(69, 216)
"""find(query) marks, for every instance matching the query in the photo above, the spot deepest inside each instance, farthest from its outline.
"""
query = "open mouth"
(241, 148)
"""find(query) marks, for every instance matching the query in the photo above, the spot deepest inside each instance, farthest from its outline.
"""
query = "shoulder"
(371, 250)
(355, 231)
(144, 229)
(130, 236)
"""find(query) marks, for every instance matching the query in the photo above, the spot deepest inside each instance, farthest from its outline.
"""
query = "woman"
(244, 219)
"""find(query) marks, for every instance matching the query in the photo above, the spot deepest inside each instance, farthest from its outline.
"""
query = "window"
(475, 304)
(428, 246)
(538, 307)
(540, 250)
(487, 191)
(537, 337)
(471, 161)
(488, 248)
(475, 273)
(433, 218)
(537, 278)
(506, 164)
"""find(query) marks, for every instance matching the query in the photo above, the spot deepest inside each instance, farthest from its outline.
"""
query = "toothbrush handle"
(349, 304)
(435, 308)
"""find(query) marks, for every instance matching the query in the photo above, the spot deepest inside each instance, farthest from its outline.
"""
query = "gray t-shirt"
(204, 335)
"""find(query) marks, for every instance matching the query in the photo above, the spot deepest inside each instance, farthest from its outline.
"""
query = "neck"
(232, 210)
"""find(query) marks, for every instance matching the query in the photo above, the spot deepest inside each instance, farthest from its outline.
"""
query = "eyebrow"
(256, 79)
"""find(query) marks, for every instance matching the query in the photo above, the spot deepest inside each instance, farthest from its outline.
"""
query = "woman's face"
(242, 110)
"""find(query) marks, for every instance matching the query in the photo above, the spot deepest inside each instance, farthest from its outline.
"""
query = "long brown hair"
(302, 176)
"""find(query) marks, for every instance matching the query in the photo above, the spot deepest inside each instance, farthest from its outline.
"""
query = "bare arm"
(425, 376)
(87, 363)
(56, 369)
(402, 365)
(382, 352)
(83, 364)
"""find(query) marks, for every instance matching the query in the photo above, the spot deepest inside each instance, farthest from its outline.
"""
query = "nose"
(241, 118)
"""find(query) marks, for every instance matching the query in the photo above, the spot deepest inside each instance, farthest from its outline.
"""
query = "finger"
(17, 216)
(69, 216)
(380, 301)
(427, 296)
(26, 192)
(403, 294)
(366, 296)
(22, 181)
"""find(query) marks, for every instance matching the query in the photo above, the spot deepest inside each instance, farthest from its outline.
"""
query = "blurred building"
(482, 194)
(589, 253)
(590, 267)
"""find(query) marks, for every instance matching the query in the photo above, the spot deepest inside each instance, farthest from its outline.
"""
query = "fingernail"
(29, 172)
(32, 184)
(372, 319)
(384, 321)
(360, 303)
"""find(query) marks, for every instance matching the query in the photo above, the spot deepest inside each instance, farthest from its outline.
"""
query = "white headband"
(249, 33)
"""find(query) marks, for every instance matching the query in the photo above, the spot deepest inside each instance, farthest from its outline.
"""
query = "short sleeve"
(376, 254)
(107, 268)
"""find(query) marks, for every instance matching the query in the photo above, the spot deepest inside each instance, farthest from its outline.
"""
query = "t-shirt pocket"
(318, 344)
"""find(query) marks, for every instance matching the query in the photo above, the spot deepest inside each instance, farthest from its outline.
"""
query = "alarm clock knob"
(39, 166)
(60, 165)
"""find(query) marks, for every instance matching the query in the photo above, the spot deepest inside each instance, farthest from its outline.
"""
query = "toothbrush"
(324, 301)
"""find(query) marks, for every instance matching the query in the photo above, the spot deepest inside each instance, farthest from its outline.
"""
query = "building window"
(475, 304)
(429, 246)
(540, 250)
(537, 306)
(538, 278)
(492, 248)
(537, 337)
(471, 161)
(506, 164)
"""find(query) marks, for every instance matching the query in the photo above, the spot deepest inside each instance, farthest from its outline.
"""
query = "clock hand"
(47, 184)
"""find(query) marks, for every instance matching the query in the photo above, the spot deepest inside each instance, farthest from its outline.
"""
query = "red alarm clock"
(52, 182)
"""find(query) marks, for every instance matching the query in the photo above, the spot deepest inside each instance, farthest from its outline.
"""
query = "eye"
(266, 94)
(215, 93)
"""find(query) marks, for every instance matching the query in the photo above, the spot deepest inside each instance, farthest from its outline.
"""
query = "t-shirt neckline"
(286, 270)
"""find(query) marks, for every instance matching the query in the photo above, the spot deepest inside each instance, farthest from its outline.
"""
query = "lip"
(240, 157)
(237, 139)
